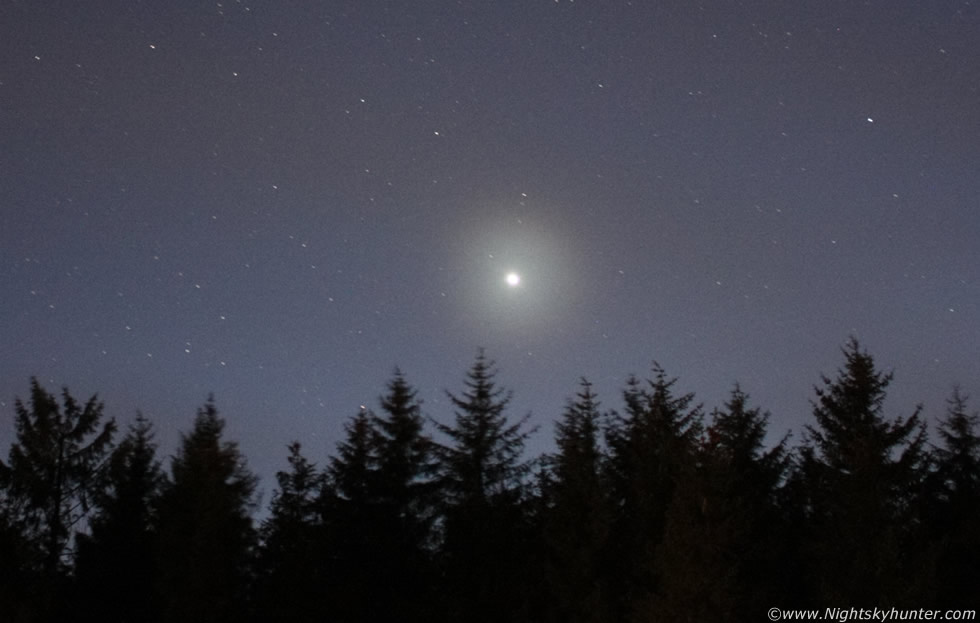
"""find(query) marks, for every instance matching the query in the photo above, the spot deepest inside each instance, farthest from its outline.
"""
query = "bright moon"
(513, 279)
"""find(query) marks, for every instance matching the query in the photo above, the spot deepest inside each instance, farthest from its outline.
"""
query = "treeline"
(654, 511)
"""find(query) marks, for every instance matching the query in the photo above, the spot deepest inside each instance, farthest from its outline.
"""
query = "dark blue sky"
(279, 202)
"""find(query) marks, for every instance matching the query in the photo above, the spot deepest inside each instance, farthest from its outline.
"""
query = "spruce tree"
(404, 490)
(575, 518)
(958, 514)
(406, 464)
(114, 561)
(379, 511)
(720, 557)
(293, 558)
(51, 476)
(206, 533)
(352, 522)
(958, 458)
(650, 445)
(482, 464)
(484, 477)
(351, 470)
(294, 505)
(862, 472)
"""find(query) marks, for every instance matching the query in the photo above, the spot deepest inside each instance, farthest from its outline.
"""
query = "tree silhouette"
(958, 458)
(720, 557)
(862, 472)
(484, 480)
(576, 518)
(352, 521)
(53, 470)
(114, 561)
(650, 445)
(380, 509)
(351, 469)
(293, 560)
(406, 496)
(406, 463)
(206, 533)
(648, 514)
(958, 513)
(483, 462)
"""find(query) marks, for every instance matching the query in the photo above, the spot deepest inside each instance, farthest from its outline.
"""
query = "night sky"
(281, 201)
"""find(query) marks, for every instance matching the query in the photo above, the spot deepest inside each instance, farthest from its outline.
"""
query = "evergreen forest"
(649, 509)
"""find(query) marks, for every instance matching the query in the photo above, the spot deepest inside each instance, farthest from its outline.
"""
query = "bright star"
(513, 279)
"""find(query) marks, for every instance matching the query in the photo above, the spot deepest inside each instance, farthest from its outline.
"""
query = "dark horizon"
(656, 511)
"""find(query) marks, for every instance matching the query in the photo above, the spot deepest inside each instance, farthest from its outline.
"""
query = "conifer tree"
(352, 521)
(380, 510)
(958, 458)
(958, 513)
(206, 533)
(294, 505)
(53, 471)
(113, 568)
(293, 559)
(862, 471)
(650, 445)
(483, 462)
(484, 478)
(406, 497)
(720, 557)
(406, 462)
(575, 518)
(351, 470)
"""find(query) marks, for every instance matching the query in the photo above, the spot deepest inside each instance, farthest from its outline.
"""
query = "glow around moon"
(517, 272)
